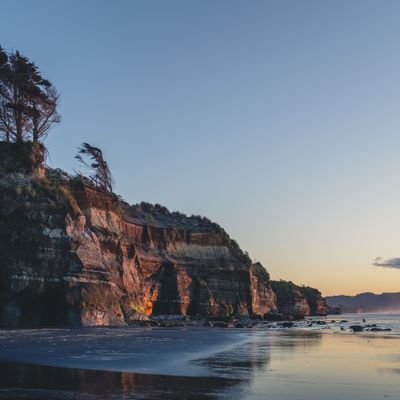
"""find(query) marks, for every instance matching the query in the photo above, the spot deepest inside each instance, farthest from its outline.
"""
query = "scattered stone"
(380, 330)
(221, 324)
(356, 328)
(273, 316)
(223, 318)
(171, 324)
(146, 324)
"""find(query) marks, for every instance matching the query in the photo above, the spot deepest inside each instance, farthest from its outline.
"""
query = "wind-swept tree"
(5, 112)
(101, 175)
(43, 112)
(28, 102)
(13, 117)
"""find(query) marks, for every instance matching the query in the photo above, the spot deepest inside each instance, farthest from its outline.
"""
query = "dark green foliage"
(285, 291)
(312, 295)
(239, 253)
(288, 293)
(261, 273)
(28, 101)
(57, 175)
(161, 209)
(154, 208)
(21, 157)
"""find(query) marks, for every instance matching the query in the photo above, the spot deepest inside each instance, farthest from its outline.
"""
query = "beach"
(201, 363)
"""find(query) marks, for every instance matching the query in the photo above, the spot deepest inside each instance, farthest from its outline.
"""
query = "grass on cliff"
(285, 291)
(260, 272)
(288, 292)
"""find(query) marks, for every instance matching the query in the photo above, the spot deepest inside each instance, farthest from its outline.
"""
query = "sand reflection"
(34, 381)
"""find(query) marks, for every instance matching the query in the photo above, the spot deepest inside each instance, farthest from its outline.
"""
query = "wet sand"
(28, 381)
(218, 364)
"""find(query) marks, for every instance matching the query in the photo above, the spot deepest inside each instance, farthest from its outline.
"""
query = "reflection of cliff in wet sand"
(34, 381)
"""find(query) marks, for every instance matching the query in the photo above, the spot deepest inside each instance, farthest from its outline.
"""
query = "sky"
(279, 120)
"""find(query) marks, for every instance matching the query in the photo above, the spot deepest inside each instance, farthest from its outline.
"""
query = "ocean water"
(382, 320)
(316, 359)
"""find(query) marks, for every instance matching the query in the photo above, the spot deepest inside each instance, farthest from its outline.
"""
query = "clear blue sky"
(277, 119)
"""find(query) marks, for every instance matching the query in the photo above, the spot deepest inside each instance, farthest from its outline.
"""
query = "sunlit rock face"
(72, 254)
(155, 262)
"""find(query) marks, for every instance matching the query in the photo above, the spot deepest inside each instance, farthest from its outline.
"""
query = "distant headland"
(366, 302)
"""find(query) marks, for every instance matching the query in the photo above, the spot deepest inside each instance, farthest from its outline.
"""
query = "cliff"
(72, 254)
(298, 301)
(366, 302)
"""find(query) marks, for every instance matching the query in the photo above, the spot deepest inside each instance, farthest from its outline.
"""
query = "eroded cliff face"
(298, 301)
(71, 254)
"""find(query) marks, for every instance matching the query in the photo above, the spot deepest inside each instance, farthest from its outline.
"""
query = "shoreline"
(222, 340)
(344, 323)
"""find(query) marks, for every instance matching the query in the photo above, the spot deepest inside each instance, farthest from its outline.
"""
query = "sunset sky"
(280, 120)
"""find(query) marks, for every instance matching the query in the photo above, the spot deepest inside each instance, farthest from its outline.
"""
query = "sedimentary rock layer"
(71, 254)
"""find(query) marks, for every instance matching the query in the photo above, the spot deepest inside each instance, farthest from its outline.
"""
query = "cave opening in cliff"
(167, 302)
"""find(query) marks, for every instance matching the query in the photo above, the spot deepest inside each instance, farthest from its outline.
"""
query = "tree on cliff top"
(28, 102)
(101, 175)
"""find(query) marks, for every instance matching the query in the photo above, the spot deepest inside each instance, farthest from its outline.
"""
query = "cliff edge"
(72, 254)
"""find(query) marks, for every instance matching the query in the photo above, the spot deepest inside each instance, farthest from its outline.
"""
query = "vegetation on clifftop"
(24, 157)
(288, 293)
(28, 101)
